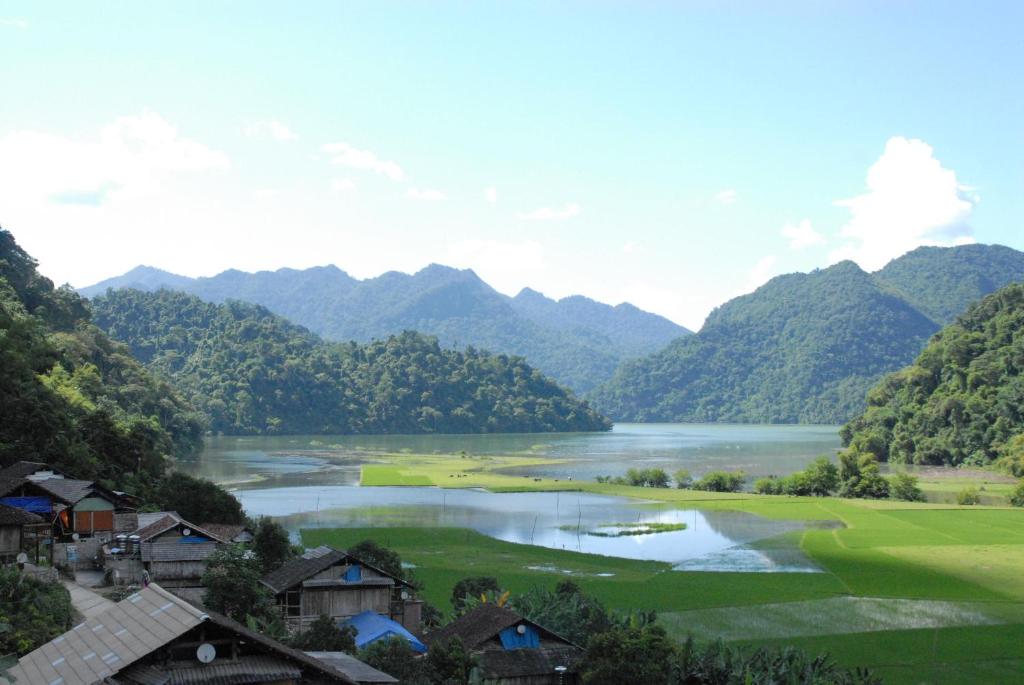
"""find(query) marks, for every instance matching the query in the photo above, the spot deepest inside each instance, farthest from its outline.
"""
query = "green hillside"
(805, 348)
(251, 372)
(577, 341)
(801, 349)
(961, 401)
(70, 396)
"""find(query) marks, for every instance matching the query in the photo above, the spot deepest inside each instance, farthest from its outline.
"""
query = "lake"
(312, 481)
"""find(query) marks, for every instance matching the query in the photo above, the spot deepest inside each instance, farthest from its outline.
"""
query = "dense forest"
(251, 372)
(577, 341)
(71, 397)
(961, 401)
(805, 348)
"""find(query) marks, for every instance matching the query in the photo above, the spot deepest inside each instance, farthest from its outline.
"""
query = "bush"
(1017, 495)
(233, 587)
(647, 478)
(474, 587)
(32, 611)
(721, 481)
(768, 486)
(904, 486)
(395, 657)
(324, 635)
(683, 479)
(968, 497)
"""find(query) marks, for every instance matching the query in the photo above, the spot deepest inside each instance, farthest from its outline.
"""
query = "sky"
(668, 154)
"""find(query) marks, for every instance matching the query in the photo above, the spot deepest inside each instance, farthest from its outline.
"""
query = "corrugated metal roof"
(101, 646)
(170, 521)
(353, 667)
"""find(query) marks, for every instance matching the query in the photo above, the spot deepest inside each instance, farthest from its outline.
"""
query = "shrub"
(721, 481)
(647, 478)
(1017, 495)
(683, 479)
(768, 486)
(324, 635)
(474, 587)
(968, 497)
(904, 486)
(32, 612)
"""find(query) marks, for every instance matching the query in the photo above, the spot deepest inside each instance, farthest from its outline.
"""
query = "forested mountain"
(71, 397)
(944, 281)
(804, 348)
(251, 371)
(961, 401)
(577, 341)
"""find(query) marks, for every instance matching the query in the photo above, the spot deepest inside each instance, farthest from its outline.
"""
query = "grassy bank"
(924, 592)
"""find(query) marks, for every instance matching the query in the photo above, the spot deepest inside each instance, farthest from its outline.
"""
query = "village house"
(171, 550)
(80, 513)
(12, 531)
(155, 638)
(330, 582)
(510, 649)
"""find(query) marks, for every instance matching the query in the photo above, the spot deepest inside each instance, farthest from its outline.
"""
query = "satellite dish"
(521, 629)
(75, 536)
(22, 558)
(405, 595)
(186, 531)
(206, 653)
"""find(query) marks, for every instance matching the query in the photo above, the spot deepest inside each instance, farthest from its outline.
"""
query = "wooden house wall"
(344, 602)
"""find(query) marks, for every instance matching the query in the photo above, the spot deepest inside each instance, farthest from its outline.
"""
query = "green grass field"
(920, 592)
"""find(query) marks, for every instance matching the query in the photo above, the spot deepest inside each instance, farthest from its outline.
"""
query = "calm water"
(310, 481)
(306, 460)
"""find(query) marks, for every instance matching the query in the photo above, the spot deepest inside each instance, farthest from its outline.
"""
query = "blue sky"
(668, 154)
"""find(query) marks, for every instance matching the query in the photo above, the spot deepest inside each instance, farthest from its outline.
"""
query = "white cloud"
(725, 197)
(911, 200)
(20, 24)
(270, 129)
(133, 155)
(802, 235)
(425, 194)
(344, 154)
(548, 214)
(491, 194)
(342, 185)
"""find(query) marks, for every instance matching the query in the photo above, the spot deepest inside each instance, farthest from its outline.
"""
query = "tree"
(395, 657)
(721, 481)
(904, 486)
(1017, 495)
(567, 611)
(628, 655)
(271, 544)
(32, 611)
(683, 479)
(324, 635)
(822, 477)
(450, 663)
(473, 586)
(198, 500)
(233, 588)
(383, 558)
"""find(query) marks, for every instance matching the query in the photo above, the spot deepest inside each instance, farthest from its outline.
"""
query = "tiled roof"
(483, 623)
(12, 516)
(225, 531)
(66, 489)
(260, 668)
(353, 667)
(100, 648)
(22, 469)
(298, 570)
(171, 520)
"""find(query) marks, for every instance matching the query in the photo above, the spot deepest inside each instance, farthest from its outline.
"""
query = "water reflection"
(554, 520)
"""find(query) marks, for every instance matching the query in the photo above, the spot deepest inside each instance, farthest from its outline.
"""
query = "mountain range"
(577, 341)
(805, 348)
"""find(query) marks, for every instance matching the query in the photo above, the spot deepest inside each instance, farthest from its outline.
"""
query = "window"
(293, 603)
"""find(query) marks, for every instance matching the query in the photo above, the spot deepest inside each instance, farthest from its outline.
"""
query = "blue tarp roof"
(371, 626)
